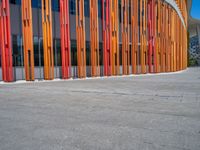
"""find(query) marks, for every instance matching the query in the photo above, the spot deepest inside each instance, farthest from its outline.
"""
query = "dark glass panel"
(36, 50)
(57, 52)
(99, 8)
(18, 2)
(55, 5)
(73, 53)
(17, 48)
(72, 7)
(87, 8)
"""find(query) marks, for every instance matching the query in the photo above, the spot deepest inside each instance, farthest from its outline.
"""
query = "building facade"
(48, 39)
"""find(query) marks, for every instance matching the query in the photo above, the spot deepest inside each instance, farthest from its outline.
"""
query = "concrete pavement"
(157, 112)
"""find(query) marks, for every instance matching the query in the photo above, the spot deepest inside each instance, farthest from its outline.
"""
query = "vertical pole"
(114, 37)
(154, 32)
(5, 41)
(106, 36)
(80, 34)
(151, 34)
(65, 39)
(143, 34)
(158, 39)
(94, 38)
(47, 40)
(125, 36)
(27, 32)
(134, 34)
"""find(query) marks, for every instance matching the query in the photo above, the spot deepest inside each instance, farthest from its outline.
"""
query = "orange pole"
(47, 40)
(134, 34)
(125, 36)
(94, 38)
(114, 37)
(80, 35)
(143, 35)
(27, 32)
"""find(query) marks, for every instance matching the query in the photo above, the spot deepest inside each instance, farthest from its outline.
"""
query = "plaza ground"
(150, 112)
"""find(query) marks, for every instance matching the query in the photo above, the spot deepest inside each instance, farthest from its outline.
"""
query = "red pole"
(152, 35)
(150, 22)
(106, 36)
(65, 39)
(5, 37)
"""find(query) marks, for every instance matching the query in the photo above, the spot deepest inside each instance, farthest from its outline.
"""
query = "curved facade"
(48, 39)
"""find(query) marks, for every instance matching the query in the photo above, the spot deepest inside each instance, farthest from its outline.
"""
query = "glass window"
(120, 54)
(88, 61)
(119, 8)
(36, 50)
(55, 5)
(73, 53)
(57, 52)
(72, 7)
(18, 2)
(41, 51)
(87, 8)
(99, 8)
(101, 54)
(36, 4)
(17, 48)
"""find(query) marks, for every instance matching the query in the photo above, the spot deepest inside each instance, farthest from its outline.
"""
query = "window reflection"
(73, 53)
(99, 8)
(36, 4)
(88, 61)
(36, 50)
(17, 50)
(101, 53)
(55, 5)
(72, 7)
(57, 52)
(87, 8)
(41, 52)
(15, 1)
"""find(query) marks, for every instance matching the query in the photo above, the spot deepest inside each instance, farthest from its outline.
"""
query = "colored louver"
(134, 35)
(153, 38)
(80, 36)
(5, 43)
(125, 36)
(94, 38)
(28, 40)
(65, 39)
(106, 36)
(47, 40)
(114, 37)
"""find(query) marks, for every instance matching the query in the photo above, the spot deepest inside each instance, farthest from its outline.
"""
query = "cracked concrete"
(126, 113)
